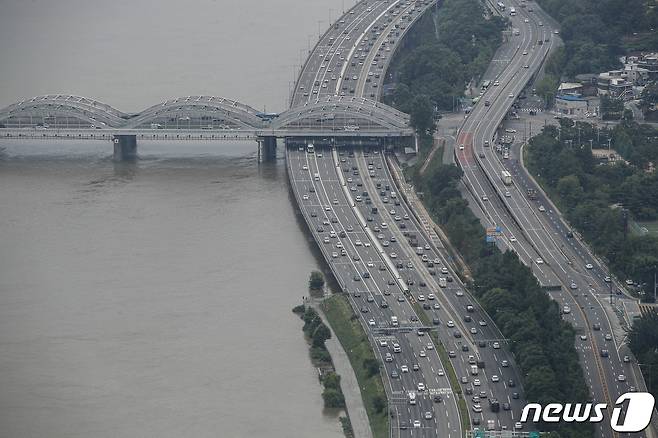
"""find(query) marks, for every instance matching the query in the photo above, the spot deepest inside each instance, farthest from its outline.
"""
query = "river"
(153, 298)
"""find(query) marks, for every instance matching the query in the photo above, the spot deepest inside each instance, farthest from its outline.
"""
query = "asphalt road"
(365, 276)
(540, 237)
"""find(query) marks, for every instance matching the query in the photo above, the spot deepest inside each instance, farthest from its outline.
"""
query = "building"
(571, 105)
(570, 88)
(615, 84)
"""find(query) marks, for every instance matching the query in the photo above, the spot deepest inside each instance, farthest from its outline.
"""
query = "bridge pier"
(266, 148)
(125, 147)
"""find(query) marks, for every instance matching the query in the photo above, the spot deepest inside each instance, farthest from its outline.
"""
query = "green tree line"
(542, 343)
(599, 200)
(441, 54)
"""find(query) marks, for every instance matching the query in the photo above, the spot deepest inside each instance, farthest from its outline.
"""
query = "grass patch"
(651, 226)
(345, 325)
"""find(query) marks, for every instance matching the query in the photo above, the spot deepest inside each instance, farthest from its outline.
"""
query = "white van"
(316, 176)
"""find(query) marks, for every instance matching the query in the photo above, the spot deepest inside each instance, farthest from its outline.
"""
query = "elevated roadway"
(532, 228)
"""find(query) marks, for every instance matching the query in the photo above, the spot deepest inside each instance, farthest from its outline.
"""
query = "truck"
(512, 11)
(506, 177)
(532, 194)
(491, 425)
(443, 282)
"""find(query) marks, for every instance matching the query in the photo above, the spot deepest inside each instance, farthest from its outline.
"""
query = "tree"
(422, 115)
(316, 281)
(333, 398)
(371, 366)
(379, 403)
(320, 334)
(611, 108)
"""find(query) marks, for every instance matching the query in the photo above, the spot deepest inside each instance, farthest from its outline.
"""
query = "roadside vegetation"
(643, 340)
(441, 54)
(317, 333)
(597, 33)
(542, 343)
(349, 332)
(601, 201)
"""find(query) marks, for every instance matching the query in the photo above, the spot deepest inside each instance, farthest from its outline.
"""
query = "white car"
(422, 354)
(394, 255)
(404, 369)
(459, 293)
(421, 386)
(416, 423)
(440, 373)
(476, 382)
(539, 261)
(511, 96)
(430, 346)
(621, 378)
(542, 208)
(371, 322)
(461, 147)
(474, 331)
(304, 167)
(495, 378)
(518, 425)
(450, 324)
(496, 345)
(589, 266)
(305, 197)
(512, 239)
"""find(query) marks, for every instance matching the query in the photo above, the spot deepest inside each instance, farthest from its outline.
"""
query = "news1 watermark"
(638, 407)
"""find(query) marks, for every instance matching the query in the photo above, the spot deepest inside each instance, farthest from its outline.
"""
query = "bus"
(310, 148)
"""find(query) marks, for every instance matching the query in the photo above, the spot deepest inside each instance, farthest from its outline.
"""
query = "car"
(464, 380)
(485, 198)
(422, 353)
(461, 147)
(430, 346)
(630, 282)
(476, 382)
(450, 323)
(539, 261)
(504, 364)
(506, 406)
(452, 354)
(477, 409)
(511, 383)
(596, 326)
(589, 266)
(607, 279)
(473, 331)
(621, 378)
(542, 208)
(388, 357)
(515, 395)
(438, 398)
(518, 425)
(421, 386)
(416, 423)
(511, 96)
(383, 343)
(393, 255)
(605, 353)
(512, 239)
(526, 66)
(495, 378)
(608, 337)
(404, 369)
(482, 323)
(400, 299)
(627, 359)
(459, 293)
(482, 344)
(566, 310)
(525, 20)
(525, 52)
(436, 306)
(364, 309)
(583, 337)
(428, 415)
(496, 345)
(415, 367)
(394, 374)
(573, 285)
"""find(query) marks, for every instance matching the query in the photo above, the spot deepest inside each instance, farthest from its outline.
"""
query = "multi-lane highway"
(353, 253)
(377, 250)
(531, 227)
(350, 59)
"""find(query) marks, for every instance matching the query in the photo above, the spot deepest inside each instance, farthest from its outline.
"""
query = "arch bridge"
(202, 117)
